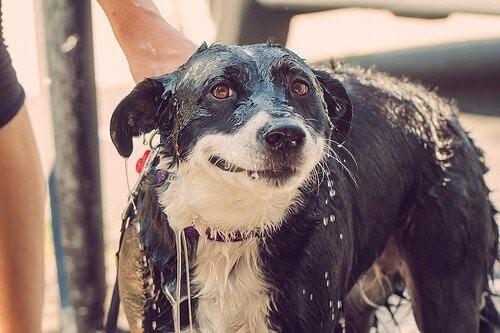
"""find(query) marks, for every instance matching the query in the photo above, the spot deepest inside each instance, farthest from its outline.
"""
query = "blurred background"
(451, 46)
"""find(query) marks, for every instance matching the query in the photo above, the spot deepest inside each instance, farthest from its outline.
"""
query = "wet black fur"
(158, 240)
(417, 177)
(446, 230)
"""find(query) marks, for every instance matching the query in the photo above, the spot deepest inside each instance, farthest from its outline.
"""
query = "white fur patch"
(233, 295)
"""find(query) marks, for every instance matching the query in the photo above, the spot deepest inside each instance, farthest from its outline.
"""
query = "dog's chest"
(227, 276)
(232, 293)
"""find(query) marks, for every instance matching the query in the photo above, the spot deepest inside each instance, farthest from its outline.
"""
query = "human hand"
(152, 46)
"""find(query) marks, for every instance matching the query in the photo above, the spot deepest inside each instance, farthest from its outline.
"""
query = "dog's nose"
(285, 136)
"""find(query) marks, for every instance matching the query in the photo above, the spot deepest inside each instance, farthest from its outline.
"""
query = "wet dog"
(297, 181)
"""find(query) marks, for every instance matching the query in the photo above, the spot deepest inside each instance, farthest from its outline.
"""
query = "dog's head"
(256, 117)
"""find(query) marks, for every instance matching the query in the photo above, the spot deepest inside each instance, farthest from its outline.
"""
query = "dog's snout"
(285, 136)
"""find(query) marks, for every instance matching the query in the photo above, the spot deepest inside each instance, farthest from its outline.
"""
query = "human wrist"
(143, 67)
(151, 45)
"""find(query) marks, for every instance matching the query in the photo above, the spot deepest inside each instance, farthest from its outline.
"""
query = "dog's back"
(413, 157)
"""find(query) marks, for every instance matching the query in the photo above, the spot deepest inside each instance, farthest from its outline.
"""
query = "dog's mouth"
(272, 174)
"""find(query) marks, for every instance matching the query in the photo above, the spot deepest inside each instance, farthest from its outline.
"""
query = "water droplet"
(341, 236)
(332, 192)
(303, 291)
(311, 297)
(333, 316)
(330, 183)
(82, 311)
(332, 218)
(326, 201)
(254, 175)
(339, 304)
(154, 306)
(153, 324)
(326, 275)
(331, 304)
(325, 220)
(328, 283)
(69, 44)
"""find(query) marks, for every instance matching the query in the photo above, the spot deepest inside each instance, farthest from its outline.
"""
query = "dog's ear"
(338, 103)
(141, 111)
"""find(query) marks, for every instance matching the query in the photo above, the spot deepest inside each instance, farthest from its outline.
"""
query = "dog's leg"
(370, 292)
(373, 288)
(447, 249)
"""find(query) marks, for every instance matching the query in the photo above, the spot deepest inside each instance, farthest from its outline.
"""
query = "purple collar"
(217, 236)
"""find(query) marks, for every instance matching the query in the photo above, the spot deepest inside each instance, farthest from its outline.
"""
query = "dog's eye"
(222, 91)
(300, 88)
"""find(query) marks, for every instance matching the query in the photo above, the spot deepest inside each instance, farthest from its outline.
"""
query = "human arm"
(151, 45)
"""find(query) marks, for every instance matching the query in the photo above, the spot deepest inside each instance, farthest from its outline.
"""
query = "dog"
(310, 192)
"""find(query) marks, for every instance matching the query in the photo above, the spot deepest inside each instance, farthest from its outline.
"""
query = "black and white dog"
(298, 181)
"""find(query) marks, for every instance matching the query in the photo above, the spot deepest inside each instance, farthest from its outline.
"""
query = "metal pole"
(68, 32)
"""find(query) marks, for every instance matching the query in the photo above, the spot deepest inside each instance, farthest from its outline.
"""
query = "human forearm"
(21, 228)
(151, 45)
